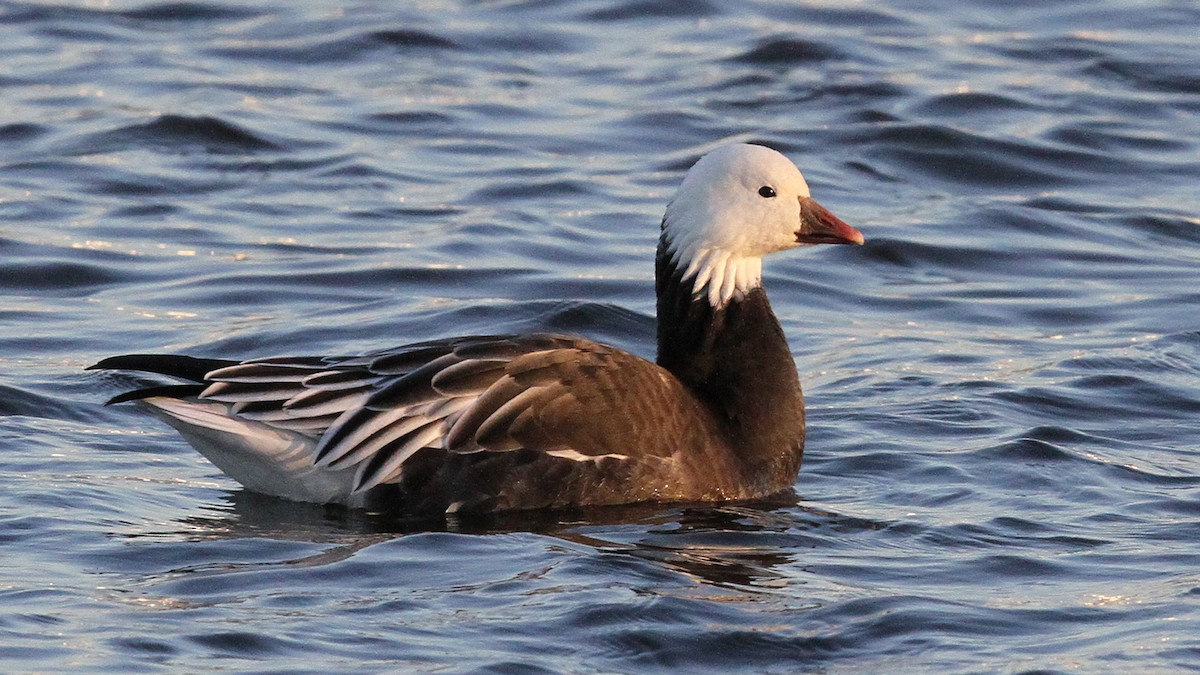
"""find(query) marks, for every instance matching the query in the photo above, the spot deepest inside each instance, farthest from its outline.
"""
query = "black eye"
(766, 191)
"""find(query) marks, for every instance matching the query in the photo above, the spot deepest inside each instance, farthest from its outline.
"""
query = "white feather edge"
(718, 275)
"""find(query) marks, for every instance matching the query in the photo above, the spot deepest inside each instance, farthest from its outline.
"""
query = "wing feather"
(494, 432)
(263, 372)
(412, 388)
(311, 402)
(462, 434)
(405, 360)
(332, 380)
(237, 392)
(386, 464)
(468, 377)
(354, 428)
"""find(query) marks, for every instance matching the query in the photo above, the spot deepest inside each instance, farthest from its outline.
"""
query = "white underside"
(261, 458)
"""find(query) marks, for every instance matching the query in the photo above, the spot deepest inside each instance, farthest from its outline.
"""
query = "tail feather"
(168, 390)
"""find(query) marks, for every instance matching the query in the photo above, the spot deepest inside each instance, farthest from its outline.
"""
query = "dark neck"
(737, 360)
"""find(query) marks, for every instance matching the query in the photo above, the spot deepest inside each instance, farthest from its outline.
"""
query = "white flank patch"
(576, 456)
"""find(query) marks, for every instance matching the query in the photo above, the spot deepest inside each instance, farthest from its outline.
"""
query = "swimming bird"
(510, 422)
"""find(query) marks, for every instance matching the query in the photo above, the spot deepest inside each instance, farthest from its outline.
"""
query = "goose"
(494, 423)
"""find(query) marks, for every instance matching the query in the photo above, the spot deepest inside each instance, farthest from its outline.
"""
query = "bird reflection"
(747, 546)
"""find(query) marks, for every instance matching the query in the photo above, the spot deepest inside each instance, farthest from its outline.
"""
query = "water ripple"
(1000, 473)
(176, 133)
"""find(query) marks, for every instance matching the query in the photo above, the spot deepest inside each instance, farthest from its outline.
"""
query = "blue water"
(1002, 471)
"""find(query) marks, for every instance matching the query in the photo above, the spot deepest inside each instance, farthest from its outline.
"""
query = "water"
(1001, 472)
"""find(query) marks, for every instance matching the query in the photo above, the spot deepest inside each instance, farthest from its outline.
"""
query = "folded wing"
(566, 398)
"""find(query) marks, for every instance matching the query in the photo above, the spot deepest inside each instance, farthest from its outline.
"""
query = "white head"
(737, 204)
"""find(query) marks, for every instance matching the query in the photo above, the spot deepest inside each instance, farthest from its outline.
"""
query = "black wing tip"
(140, 362)
(112, 362)
(127, 396)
